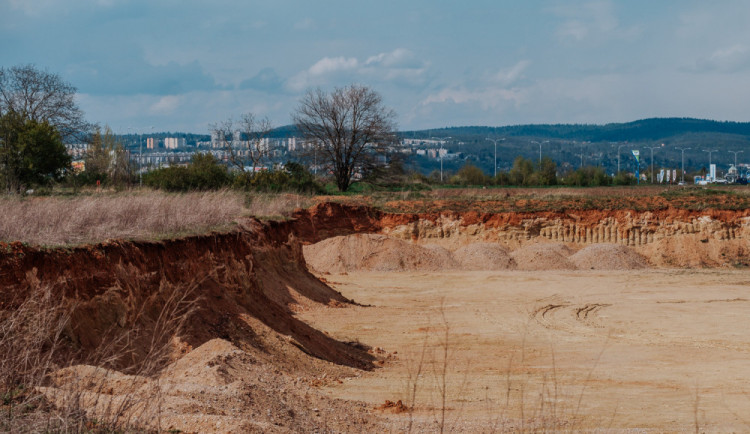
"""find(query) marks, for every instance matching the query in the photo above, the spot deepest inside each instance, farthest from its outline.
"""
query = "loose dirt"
(644, 350)
(375, 253)
(484, 256)
(543, 256)
(608, 257)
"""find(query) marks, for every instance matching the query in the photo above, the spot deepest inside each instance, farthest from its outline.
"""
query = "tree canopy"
(42, 96)
(346, 128)
(31, 153)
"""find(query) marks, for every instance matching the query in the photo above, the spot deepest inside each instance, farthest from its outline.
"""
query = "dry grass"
(268, 205)
(43, 388)
(93, 218)
(30, 337)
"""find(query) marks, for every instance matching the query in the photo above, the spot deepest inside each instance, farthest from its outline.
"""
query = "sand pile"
(608, 257)
(484, 256)
(543, 256)
(216, 388)
(370, 252)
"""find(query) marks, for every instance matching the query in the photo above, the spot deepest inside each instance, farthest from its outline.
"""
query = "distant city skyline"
(181, 66)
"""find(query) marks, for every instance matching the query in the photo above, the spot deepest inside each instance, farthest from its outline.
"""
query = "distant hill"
(645, 129)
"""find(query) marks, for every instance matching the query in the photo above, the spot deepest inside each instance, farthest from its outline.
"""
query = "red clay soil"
(235, 278)
(329, 219)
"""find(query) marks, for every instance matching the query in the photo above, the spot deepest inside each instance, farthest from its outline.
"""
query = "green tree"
(31, 153)
(42, 96)
(107, 160)
(547, 174)
(520, 173)
(470, 174)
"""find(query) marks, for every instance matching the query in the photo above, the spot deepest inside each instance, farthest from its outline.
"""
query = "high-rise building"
(151, 143)
(174, 142)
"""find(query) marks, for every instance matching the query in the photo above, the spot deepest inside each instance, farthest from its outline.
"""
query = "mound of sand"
(608, 257)
(543, 256)
(371, 252)
(484, 256)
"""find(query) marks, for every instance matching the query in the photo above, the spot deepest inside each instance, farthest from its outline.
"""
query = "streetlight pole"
(683, 162)
(735, 157)
(140, 160)
(440, 154)
(709, 157)
(540, 150)
(652, 161)
(618, 157)
(495, 142)
(581, 155)
(139, 163)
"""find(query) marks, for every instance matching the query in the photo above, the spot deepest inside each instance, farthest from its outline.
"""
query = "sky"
(182, 65)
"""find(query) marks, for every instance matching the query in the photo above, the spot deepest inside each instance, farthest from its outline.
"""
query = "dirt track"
(658, 349)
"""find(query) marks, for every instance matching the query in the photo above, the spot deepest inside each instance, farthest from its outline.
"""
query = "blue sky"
(180, 65)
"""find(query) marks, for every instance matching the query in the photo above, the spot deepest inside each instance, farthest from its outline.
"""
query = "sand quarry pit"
(543, 337)
(651, 350)
(349, 319)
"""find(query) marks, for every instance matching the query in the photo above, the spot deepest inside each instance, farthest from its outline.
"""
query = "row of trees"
(206, 173)
(526, 173)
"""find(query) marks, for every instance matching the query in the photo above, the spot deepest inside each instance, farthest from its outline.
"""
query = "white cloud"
(486, 98)
(594, 20)
(329, 65)
(512, 74)
(728, 59)
(165, 105)
(398, 66)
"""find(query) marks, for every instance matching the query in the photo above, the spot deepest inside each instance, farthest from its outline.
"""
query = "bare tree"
(348, 128)
(41, 96)
(246, 141)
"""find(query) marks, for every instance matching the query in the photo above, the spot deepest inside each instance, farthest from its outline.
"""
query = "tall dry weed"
(31, 334)
(48, 385)
(92, 218)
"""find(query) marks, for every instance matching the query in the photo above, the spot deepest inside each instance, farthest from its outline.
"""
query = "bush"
(624, 178)
(470, 174)
(294, 177)
(588, 177)
(203, 173)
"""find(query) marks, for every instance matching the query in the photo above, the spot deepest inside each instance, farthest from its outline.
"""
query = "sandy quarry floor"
(659, 350)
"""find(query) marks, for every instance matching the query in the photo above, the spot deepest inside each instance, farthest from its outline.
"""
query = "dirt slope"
(242, 290)
(712, 237)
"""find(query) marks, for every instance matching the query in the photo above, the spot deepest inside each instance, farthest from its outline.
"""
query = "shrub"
(470, 174)
(203, 173)
(294, 177)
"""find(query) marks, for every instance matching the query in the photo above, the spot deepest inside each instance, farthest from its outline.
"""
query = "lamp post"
(495, 142)
(440, 154)
(709, 157)
(581, 155)
(683, 162)
(540, 150)
(618, 157)
(652, 160)
(709, 154)
(140, 160)
(735, 157)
